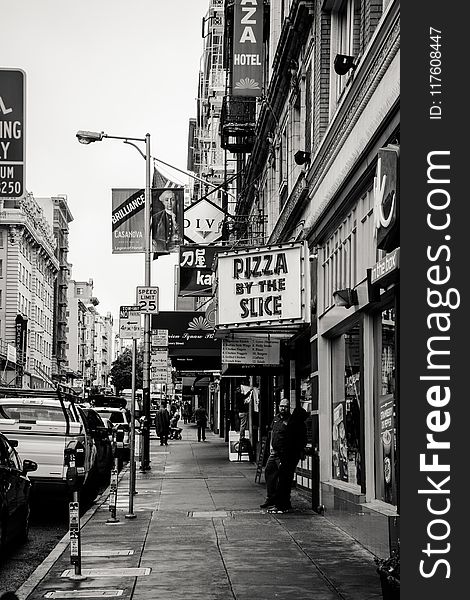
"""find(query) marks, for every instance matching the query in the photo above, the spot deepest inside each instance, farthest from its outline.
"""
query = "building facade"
(323, 167)
(28, 270)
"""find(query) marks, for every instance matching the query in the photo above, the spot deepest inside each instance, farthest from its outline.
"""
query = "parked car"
(15, 488)
(104, 458)
(121, 419)
(47, 425)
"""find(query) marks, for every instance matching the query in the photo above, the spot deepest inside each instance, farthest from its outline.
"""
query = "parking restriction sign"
(129, 322)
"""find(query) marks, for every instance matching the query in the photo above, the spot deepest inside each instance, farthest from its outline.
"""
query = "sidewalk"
(199, 534)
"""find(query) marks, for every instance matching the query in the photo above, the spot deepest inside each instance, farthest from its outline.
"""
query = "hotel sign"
(266, 285)
(247, 73)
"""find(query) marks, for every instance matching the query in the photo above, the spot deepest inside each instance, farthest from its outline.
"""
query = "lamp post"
(87, 137)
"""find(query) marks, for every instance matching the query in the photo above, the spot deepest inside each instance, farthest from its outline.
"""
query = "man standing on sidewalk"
(288, 440)
(162, 424)
(200, 415)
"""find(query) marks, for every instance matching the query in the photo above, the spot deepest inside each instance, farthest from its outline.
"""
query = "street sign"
(147, 299)
(12, 122)
(159, 337)
(129, 322)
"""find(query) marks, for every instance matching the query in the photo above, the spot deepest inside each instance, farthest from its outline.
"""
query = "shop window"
(346, 410)
(386, 440)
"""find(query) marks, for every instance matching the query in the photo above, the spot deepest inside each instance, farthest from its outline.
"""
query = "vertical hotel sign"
(247, 66)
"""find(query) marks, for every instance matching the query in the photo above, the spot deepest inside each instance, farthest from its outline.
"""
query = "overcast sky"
(125, 68)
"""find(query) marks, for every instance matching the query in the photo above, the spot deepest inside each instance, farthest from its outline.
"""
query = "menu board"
(251, 351)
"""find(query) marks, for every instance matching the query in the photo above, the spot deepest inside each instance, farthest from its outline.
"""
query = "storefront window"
(386, 442)
(347, 387)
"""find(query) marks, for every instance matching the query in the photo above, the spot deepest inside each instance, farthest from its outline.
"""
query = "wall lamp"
(346, 298)
(301, 157)
(343, 63)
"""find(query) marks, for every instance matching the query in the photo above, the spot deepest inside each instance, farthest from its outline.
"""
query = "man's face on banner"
(167, 198)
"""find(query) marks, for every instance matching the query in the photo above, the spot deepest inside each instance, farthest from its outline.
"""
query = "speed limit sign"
(147, 299)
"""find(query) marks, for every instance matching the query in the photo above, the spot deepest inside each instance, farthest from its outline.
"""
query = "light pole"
(87, 137)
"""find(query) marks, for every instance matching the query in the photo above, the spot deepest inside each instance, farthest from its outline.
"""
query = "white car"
(47, 425)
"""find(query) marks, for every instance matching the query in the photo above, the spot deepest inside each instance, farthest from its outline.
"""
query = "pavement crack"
(217, 539)
(322, 573)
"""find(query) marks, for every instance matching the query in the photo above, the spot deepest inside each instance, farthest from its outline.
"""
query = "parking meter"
(70, 461)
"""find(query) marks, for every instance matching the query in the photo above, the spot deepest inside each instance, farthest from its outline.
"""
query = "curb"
(41, 571)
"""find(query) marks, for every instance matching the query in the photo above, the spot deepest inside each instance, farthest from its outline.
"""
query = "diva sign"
(265, 285)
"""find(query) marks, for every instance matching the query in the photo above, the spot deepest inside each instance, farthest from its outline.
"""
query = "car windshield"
(114, 417)
(27, 412)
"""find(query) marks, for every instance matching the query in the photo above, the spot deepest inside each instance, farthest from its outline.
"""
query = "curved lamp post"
(87, 137)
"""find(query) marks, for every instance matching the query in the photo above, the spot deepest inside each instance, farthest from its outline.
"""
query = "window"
(346, 407)
(345, 27)
(386, 450)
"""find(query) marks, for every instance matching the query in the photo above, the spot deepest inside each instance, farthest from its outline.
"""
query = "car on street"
(48, 427)
(121, 420)
(15, 489)
(104, 457)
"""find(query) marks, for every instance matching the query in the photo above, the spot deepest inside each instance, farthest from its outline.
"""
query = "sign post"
(12, 122)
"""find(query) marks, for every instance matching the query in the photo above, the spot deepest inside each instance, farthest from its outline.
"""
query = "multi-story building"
(321, 162)
(58, 213)
(90, 352)
(28, 270)
(206, 157)
(103, 348)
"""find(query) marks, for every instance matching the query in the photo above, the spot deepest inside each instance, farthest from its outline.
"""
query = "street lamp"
(87, 137)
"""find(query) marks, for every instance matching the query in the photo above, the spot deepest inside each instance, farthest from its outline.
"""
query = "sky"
(125, 68)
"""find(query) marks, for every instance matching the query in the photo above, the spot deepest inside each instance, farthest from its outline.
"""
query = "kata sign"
(264, 285)
(12, 119)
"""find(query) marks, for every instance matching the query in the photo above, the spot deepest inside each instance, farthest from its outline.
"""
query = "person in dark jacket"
(162, 424)
(288, 440)
(200, 415)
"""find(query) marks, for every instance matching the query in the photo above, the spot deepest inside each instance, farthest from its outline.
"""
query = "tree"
(121, 371)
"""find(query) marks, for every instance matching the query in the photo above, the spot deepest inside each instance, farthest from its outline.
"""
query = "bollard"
(113, 494)
(74, 532)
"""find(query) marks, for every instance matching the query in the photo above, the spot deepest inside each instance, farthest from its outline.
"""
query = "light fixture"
(343, 62)
(87, 137)
(301, 157)
(346, 298)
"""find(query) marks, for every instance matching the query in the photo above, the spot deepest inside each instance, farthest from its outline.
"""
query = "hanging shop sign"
(251, 351)
(247, 63)
(196, 276)
(385, 270)
(128, 220)
(203, 222)
(267, 285)
(386, 198)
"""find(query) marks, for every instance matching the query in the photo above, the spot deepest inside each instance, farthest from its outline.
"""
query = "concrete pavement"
(198, 533)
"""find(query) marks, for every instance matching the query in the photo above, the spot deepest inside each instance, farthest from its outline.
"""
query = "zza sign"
(12, 125)
(203, 222)
(266, 285)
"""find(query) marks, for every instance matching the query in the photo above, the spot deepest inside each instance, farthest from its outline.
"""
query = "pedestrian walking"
(288, 440)
(200, 415)
(162, 424)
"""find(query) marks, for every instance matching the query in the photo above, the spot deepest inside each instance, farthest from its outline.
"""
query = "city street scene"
(199, 299)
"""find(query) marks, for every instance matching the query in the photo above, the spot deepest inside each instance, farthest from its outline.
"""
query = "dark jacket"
(240, 404)
(200, 415)
(289, 437)
(162, 421)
